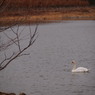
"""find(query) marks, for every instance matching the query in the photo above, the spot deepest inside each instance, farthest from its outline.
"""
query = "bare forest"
(47, 3)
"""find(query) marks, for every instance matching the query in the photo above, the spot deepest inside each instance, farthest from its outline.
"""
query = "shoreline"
(47, 15)
(3, 93)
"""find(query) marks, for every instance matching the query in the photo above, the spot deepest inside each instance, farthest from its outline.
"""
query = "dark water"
(47, 70)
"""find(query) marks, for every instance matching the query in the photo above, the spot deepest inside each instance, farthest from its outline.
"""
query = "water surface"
(47, 70)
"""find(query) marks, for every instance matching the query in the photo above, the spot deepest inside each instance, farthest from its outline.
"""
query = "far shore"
(47, 15)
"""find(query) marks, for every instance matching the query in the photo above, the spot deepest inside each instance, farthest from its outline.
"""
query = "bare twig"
(6, 58)
(11, 40)
(17, 37)
(3, 6)
(32, 39)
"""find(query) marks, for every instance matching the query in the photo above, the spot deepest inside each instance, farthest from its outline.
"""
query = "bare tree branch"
(11, 40)
(16, 41)
(32, 36)
(17, 37)
(6, 58)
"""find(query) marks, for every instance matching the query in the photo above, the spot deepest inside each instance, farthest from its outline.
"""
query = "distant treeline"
(48, 3)
(92, 2)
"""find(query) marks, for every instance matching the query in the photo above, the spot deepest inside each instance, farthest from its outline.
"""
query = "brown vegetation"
(33, 11)
(48, 15)
(46, 3)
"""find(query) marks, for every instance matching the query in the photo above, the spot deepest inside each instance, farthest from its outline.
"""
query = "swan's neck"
(74, 67)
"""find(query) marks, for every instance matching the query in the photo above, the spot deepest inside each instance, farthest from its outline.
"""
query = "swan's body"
(79, 69)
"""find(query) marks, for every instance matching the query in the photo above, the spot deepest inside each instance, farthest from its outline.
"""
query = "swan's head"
(73, 62)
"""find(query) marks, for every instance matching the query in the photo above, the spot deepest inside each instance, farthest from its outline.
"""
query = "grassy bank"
(47, 15)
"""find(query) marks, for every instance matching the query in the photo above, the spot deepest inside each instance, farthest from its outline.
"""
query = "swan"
(79, 69)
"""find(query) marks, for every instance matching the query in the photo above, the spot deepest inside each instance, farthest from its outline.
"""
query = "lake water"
(47, 70)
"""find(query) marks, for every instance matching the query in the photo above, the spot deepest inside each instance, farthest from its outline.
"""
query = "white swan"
(79, 69)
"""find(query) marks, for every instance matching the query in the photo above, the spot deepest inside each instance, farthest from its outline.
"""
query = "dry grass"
(47, 15)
